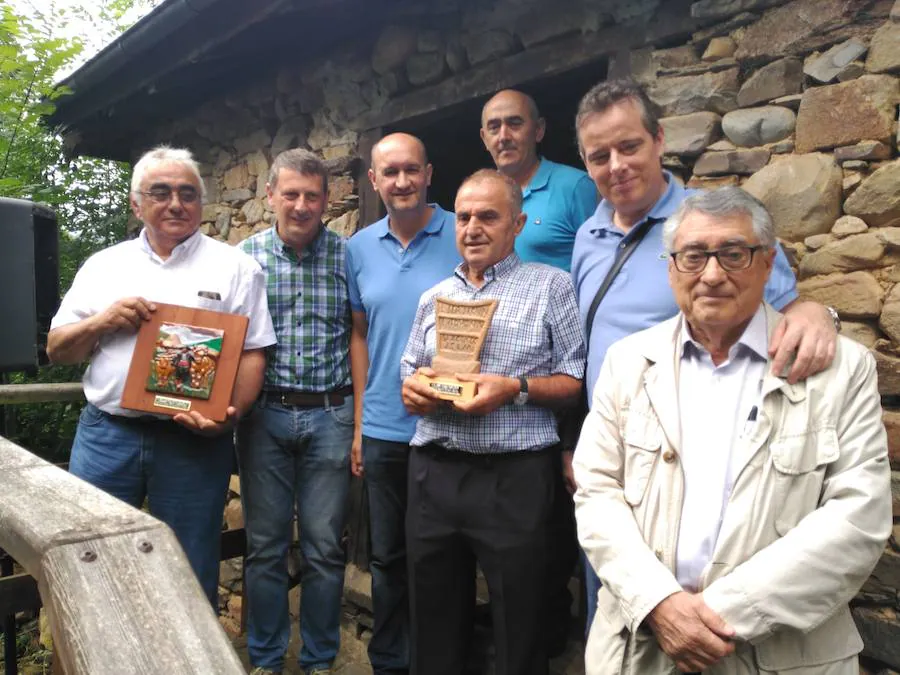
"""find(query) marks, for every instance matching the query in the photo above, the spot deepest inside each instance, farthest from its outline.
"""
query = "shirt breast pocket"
(800, 463)
(643, 440)
(212, 304)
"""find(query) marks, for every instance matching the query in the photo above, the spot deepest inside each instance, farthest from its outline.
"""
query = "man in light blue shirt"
(640, 296)
(389, 265)
(557, 198)
(621, 143)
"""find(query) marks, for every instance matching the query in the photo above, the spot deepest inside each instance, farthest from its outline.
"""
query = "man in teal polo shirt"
(389, 265)
(557, 199)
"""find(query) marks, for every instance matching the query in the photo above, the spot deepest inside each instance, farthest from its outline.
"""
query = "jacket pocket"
(643, 440)
(835, 640)
(800, 463)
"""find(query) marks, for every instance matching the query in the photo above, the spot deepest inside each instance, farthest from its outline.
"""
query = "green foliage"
(89, 195)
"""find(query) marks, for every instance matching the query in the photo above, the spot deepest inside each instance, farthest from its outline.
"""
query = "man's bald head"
(399, 140)
(401, 174)
(516, 96)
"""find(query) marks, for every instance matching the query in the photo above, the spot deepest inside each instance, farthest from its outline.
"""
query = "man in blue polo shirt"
(621, 143)
(389, 265)
(556, 199)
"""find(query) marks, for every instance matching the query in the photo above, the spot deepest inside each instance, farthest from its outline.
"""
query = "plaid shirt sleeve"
(565, 329)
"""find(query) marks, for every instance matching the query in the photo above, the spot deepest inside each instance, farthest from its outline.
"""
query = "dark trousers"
(386, 464)
(494, 510)
(562, 557)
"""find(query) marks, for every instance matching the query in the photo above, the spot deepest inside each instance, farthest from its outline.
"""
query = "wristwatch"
(522, 397)
(834, 317)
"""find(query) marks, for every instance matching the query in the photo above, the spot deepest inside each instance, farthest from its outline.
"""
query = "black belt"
(143, 421)
(307, 399)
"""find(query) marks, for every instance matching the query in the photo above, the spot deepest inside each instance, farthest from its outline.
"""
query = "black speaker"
(29, 279)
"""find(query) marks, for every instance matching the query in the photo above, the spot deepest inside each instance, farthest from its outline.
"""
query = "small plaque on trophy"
(461, 328)
(185, 359)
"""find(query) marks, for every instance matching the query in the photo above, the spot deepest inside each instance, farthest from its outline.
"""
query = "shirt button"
(668, 456)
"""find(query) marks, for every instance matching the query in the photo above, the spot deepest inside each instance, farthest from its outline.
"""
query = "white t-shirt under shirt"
(133, 269)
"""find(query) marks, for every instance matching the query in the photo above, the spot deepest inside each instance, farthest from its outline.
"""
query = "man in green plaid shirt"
(294, 446)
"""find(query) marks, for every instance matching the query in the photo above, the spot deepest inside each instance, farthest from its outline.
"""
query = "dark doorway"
(454, 146)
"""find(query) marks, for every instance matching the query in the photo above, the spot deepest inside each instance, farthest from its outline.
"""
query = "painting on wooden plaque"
(185, 359)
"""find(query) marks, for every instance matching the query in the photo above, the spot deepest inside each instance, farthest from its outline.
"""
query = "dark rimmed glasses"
(732, 258)
(162, 194)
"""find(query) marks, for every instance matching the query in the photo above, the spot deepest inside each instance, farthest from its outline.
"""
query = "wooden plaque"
(185, 359)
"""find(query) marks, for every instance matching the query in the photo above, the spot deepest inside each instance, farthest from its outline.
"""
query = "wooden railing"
(120, 595)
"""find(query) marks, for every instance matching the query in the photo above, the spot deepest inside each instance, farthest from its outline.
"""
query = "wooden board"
(136, 395)
(129, 604)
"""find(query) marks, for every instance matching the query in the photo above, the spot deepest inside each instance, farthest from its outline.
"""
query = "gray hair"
(164, 154)
(723, 202)
(302, 161)
(601, 97)
(513, 191)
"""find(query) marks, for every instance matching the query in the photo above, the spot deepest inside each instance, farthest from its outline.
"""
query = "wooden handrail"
(119, 592)
(41, 392)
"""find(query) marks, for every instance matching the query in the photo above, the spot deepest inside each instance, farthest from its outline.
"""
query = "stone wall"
(794, 100)
(799, 106)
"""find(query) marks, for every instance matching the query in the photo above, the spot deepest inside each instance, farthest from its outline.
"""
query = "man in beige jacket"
(729, 514)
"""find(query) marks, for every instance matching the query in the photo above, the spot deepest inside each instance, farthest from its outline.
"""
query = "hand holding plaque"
(461, 329)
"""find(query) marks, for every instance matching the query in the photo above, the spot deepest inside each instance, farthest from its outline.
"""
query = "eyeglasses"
(162, 194)
(731, 258)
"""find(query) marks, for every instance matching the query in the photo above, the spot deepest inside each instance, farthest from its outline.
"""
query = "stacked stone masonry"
(795, 100)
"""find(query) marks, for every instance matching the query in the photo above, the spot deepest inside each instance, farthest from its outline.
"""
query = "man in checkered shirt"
(481, 476)
(295, 446)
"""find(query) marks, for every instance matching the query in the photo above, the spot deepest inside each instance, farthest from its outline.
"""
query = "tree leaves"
(89, 195)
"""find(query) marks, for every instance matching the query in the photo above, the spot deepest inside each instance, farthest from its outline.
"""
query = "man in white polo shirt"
(181, 465)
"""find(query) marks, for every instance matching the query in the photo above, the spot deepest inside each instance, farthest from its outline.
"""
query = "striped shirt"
(535, 332)
(310, 310)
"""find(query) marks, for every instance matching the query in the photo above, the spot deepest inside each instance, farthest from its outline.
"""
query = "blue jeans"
(294, 455)
(183, 476)
(591, 588)
(386, 465)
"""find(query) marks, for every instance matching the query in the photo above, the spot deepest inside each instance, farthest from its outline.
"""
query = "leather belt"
(308, 399)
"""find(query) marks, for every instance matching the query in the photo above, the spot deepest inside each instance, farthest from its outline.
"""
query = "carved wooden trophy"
(461, 328)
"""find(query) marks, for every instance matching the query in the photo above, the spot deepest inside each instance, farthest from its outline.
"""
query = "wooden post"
(369, 201)
(119, 592)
